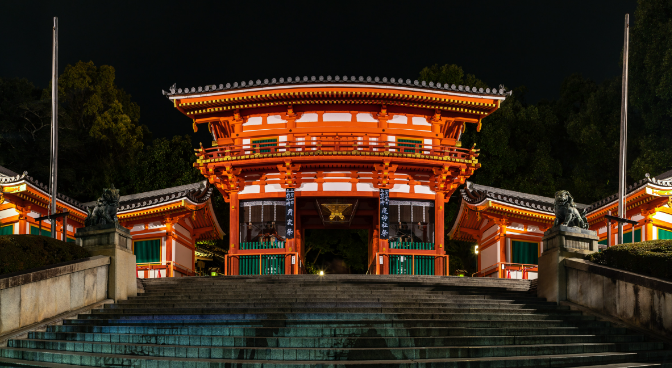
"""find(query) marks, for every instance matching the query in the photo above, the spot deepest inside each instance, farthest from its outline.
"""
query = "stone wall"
(641, 300)
(33, 296)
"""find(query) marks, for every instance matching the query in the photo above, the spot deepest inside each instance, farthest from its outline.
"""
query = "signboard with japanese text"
(289, 207)
(384, 214)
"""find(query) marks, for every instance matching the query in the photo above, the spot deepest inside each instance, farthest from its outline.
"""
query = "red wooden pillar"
(234, 231)
(439, 235)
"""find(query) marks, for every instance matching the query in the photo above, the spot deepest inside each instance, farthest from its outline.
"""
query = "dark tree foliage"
(651, 85)
(26, 252)
(164, 163)
(450, 74)
(98, 128)
(25, 125)
(351, 245)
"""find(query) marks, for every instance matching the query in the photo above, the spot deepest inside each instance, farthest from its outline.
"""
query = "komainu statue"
(105, 211)
(566, 213)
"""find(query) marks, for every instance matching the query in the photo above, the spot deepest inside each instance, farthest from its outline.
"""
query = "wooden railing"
(413, 245)
(262, 245)
(376, 268)
(287, 257)
(322, 145)
(168, 268)
(501, 269)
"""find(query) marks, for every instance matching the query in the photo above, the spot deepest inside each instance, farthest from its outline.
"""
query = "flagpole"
(624, 133)
(54, 127)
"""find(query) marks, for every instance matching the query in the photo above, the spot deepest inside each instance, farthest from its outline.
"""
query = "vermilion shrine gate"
(296, 154)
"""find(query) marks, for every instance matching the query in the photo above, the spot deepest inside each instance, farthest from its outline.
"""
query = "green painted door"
(147, 251)
(34, 230)
(524, 252)
(664, 234)
(7, 230)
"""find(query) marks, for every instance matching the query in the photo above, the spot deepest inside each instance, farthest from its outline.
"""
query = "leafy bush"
(25, 252)
(653, 258)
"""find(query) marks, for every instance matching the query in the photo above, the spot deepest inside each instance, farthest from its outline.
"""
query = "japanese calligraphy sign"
(384, 214)
(289, 207)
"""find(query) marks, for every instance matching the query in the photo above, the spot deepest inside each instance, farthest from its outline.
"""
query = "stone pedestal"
(561, 242)
(114, 241)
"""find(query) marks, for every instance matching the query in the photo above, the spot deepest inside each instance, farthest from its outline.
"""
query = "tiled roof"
(17, 178)
(7, 172)
(665, 176)
(198, 192)
(475, 193)
(431, 86)
(665, 181)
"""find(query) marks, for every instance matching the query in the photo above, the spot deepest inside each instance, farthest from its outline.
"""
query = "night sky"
(192, 43)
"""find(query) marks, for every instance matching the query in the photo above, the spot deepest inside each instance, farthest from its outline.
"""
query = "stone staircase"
(335, 320)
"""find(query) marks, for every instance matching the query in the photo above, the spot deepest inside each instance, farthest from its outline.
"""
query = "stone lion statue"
(105, 211)
(566, 212)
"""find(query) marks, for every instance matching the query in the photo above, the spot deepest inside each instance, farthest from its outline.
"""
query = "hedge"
(25, 252)
(652, 258)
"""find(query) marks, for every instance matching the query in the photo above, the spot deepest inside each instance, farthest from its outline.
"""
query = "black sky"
(192, 43)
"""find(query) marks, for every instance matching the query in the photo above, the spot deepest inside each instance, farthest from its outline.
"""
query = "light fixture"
(321, 273)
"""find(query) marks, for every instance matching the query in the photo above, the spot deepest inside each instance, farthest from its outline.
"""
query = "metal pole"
(624, 133)
(54, 126)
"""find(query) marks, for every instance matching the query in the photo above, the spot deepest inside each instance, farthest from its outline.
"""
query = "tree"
(651, 86)
(25, 124)
(351, 245)
(163, 164)
(450, 74)
(517, 147)
(99, 130)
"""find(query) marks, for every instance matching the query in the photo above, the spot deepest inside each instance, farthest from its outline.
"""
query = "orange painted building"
(334, 145)
(165, 224)
(507, 226)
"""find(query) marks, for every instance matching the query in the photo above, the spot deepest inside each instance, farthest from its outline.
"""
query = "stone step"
(333, 304)
(330, 293)
(330, 353)
(332, 332)
(331, 314)
(398, 323)
(337, 297)
(559, 360)
(366, 340)
(168, 309)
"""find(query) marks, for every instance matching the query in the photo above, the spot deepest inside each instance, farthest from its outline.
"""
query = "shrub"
(25, 252)
(653, 258)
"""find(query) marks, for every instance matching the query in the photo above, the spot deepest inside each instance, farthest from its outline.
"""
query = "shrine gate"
(346, 153)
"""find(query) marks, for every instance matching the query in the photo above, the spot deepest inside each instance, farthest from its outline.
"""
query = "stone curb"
(621, 275)
(26, 277)
(22, 332)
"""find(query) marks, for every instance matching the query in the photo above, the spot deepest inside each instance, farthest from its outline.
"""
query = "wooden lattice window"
(264, 144)
(414, 145)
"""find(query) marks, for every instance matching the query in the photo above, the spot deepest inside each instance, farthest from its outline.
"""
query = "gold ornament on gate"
(337, 210)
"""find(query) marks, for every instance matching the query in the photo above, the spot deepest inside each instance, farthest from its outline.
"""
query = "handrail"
(342, 145)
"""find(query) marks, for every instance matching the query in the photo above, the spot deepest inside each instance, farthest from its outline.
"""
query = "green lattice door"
(409, 145)
(264, 145)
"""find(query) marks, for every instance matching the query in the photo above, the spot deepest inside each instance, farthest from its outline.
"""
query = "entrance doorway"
(336, 251)
(336, 232)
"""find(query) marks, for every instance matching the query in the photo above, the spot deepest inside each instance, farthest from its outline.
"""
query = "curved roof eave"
(259, 85)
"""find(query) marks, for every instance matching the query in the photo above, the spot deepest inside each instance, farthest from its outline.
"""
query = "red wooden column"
(234, 230)
(439, 235)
